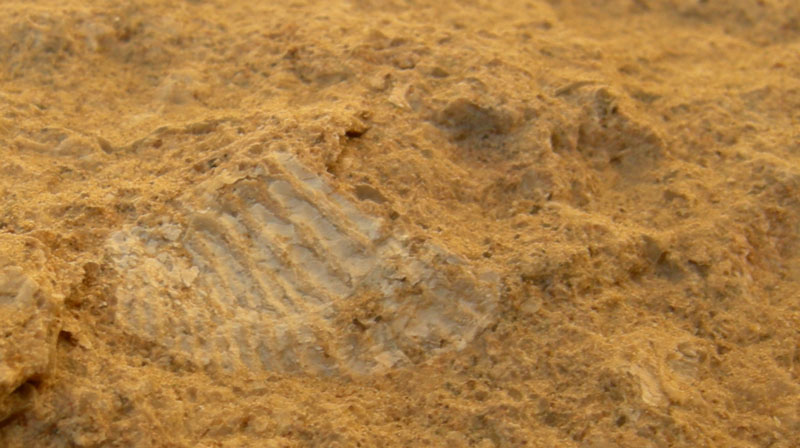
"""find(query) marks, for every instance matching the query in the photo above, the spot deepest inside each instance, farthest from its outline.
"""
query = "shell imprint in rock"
(274, 270)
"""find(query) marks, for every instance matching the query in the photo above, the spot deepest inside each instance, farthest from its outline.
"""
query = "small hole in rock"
(66, 337)
(366, 192)
(28, 387)
(359, 324)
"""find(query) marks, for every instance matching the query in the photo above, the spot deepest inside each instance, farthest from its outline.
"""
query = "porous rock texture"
(400, 223)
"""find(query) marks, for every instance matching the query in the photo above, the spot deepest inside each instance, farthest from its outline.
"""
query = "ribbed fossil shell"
(274, 270)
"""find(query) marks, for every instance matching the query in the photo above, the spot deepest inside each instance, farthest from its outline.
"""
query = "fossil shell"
(275, 270)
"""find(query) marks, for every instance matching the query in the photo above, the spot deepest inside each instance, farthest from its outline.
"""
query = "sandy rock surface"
(400, 223)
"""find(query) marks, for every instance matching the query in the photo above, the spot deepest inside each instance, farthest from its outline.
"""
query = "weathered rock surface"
(399, 223)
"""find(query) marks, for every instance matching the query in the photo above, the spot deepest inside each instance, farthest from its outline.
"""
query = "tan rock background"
(624, 173)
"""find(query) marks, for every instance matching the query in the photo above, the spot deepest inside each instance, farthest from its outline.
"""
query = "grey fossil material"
(272, 269)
